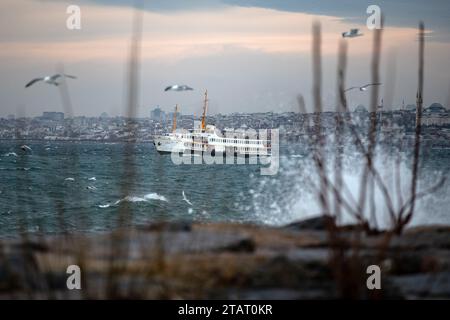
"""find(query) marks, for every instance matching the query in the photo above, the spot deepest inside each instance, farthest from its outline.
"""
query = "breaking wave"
(146, 198)
(9, 154)
(292, 195)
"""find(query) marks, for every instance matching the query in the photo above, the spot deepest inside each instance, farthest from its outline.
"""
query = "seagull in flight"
(351, 34)
(186, 199)
(50, 79)
(363, 88)
(25, 148)
(177, 87)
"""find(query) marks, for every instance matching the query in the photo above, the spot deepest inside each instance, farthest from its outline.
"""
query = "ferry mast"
(205, 106)
(174, 127)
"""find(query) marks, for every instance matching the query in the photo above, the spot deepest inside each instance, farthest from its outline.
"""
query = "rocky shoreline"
(304, 260)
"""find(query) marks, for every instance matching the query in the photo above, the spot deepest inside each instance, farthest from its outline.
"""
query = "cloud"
(400, 13)
(170, 37)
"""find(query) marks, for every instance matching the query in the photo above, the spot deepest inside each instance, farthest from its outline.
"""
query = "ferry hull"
(163, 151)
(166, 145)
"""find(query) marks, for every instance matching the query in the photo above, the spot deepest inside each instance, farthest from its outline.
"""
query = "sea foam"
(11, 154)
(146, 198)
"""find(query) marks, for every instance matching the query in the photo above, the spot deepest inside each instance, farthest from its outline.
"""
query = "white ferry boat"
(207, 138)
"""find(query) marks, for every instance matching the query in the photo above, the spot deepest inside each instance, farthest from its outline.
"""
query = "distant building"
(157, 114)
(361, 109)
(435, 108)
(11, 117)
(436, 114)
(170, 115)
(51, 115)
(104, 115)
(411, 108)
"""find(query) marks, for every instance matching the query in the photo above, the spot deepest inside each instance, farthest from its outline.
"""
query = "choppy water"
(80, 187)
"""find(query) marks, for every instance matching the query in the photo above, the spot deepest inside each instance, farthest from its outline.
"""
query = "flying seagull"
(186, 199)
(25, 148)
(177, 87)
(351, 34)
(363, 88)
(50, 79)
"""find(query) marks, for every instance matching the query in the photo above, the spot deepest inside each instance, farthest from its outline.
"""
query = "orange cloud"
(173, 36)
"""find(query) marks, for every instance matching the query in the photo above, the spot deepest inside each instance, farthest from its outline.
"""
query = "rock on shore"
(229, 261)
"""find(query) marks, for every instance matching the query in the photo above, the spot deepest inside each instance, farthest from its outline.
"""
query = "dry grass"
(348, 266)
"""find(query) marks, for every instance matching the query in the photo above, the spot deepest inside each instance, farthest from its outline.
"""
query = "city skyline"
(169, 112)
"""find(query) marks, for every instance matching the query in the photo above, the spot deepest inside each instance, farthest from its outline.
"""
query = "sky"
(252, 56)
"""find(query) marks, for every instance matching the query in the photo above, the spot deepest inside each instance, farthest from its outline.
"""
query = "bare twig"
(342, 65)
(317, 76)
(120, 241)
(373, 119)
(415, 172)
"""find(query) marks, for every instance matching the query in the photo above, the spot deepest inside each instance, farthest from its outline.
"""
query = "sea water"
(90, 186)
